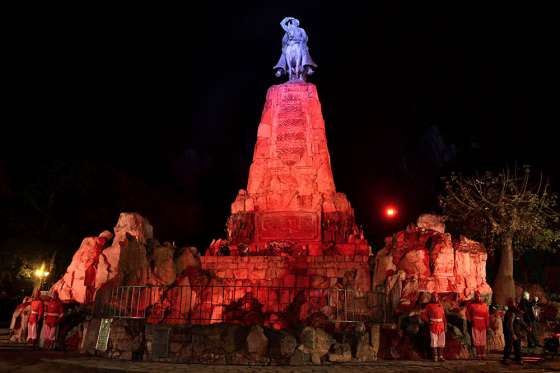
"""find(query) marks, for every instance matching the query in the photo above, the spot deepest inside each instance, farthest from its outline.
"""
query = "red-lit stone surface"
(290, 192)
(289, 229)
(273, 283)
(71, 286)
(129, 223)
(284, 271)
(429, 257)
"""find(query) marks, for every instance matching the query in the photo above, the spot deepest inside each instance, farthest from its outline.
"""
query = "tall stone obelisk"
(291, 195)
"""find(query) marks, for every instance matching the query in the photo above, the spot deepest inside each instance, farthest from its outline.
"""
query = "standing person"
(53, 313)
(478, 315)
(34, 317)
(527, 306)
(434, 314)
(514, 330)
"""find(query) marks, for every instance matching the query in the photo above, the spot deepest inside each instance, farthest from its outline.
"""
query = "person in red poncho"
(434, 315)
(34, 317)
(478, 315)
(53, 313)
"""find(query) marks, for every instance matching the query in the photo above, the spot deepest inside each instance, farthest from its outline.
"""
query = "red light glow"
(390, 212)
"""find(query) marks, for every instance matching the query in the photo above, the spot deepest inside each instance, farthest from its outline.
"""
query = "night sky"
(156, 110)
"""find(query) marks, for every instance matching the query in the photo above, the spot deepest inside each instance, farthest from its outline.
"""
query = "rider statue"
(295, 60)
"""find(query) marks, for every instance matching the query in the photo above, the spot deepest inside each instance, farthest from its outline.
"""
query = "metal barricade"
(224, 303)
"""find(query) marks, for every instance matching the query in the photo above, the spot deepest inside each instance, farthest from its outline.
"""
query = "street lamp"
(41, 274)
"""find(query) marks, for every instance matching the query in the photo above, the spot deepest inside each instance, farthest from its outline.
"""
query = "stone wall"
(235, 344)
(284, 271)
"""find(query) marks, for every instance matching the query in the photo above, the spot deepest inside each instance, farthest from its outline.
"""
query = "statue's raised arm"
(284, 23)
(295, 59)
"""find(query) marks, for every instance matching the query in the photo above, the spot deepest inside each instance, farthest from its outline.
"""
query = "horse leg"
(289, 64)
(291, 69)
(293, 66)
(298, 64)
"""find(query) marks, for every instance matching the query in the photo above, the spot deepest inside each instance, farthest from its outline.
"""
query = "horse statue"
(295, 59)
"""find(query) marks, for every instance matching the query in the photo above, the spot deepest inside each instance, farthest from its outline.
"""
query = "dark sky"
(156, 110)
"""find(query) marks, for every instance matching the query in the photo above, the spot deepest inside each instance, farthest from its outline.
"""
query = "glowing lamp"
(41, 273)
(390, 212)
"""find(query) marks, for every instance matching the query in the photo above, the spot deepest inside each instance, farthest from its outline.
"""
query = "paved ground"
(22, 359)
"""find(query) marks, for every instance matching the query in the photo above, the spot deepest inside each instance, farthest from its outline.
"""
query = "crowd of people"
(519, 323)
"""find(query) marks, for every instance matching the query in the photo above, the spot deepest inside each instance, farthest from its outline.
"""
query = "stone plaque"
(103, 336)
(288, 226)
(160, 344)
(290, 130)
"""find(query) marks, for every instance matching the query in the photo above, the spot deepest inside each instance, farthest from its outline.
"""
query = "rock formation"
(80, 275)
(131, 224)
(424, 259)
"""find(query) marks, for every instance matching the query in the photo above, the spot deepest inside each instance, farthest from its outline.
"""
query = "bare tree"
(512, 210)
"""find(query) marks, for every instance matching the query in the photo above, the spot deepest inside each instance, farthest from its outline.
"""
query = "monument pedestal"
(291, 198)
(290, 234)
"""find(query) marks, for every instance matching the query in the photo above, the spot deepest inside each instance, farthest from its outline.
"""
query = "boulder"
(319, 319)
(125, 336)
(340, 352)
(181, 299)
(257, 342)
(187, 257)
(433, 222)
(134, 268)
(442, 256)
(282, 344)
(316, 358)
(234, 338)
(71, 286)
(299, 357)
(384, 265)
(364, 351)
(375, 334)
(288, 344)
(129, 223)
(416, 262)
(316, 341)
(163, 265)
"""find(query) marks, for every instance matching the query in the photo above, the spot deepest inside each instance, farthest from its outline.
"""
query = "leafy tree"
(513, 210)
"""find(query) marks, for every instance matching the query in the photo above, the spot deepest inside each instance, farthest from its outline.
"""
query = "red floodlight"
(390, 212)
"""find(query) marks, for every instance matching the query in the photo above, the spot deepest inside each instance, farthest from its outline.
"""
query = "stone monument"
(291, 194)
